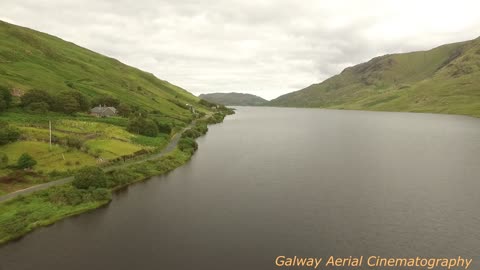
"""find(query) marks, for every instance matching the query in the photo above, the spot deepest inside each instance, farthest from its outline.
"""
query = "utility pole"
(50, 127)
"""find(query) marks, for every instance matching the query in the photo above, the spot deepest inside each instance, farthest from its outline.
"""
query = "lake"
(281, 181)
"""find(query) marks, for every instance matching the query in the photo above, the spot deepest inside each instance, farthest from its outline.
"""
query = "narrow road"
(170, 147)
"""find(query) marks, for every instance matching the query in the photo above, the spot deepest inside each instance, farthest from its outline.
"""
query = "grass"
(21, 215)
(158, 142)
(445, 79)
(48, 159)
(32, 59)
(94, 140)
(110, 149)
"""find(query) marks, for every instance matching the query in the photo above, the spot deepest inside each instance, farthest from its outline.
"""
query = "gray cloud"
(264, 47)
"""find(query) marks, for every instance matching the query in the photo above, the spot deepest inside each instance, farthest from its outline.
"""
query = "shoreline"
(367, 110)
(25, 213)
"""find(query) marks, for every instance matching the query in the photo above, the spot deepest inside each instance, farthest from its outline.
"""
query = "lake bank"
(276, 181)
(24, 213)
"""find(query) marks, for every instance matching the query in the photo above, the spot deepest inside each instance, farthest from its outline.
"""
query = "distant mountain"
(33, 60)
(234, 99)
(445, 79)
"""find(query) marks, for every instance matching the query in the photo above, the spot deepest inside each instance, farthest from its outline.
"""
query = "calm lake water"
(278, 181)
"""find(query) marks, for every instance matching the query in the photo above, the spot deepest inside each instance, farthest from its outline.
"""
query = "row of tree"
(8, 133)
(143, 125)
(5, 98)
(68, 102)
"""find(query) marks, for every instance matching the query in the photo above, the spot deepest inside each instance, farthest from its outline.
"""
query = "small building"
(103, 111)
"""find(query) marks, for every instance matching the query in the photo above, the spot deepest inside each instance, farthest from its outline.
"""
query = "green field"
(110, 149)
(97, 143)
(31, 61)
(49, 159)
(445, 79)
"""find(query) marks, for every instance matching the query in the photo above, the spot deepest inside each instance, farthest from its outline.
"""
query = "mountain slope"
(445, 79)
(31, 59)
(232, 99)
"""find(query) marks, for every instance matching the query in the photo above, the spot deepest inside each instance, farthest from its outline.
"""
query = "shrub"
(216, 118)
(8, 133)
(74, 142)
(120, 177)
(163, 127)
(3, 160)
(67, 103)
(124, 110)
(38, 107)
(101, 194)
(90, 177)
(25, 161)
(142, 125)
(35, 96)
(187, 145)
(195, 132)
(5, 98)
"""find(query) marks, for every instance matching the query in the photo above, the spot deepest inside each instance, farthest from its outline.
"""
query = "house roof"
(100, 109)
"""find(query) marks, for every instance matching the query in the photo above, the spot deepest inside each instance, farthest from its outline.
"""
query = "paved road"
(170, 147)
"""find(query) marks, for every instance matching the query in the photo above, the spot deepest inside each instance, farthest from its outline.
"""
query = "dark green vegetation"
(90, 177)
(5, 98)
(8, 133)
(46, 81)
(25, 161)
(234, 99)
(91, 188)
(442, 80)
(33, 60)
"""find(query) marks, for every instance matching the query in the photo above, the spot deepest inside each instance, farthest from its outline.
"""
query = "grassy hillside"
(445, 79)
(32, 62)
(30, 59)
(232, 99)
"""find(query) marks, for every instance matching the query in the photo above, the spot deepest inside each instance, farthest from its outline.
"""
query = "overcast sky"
(263, 47)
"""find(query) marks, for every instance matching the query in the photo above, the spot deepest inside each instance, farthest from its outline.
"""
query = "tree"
(143, 126)
(5, 98)
(70, 102)
(38, 107)
(35, 95)
(82, 100)
(90, 177)
(8, 133)
(164, 128)
(124, 110)
(3, 104)
(3, 160)
(67, 103)
(25, 161)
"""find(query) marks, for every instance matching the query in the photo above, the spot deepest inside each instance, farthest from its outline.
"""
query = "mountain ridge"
(440, 80)
(234, 99)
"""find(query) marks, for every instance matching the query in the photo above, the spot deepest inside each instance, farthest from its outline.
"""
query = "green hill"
(31, 59)
(445, 79)
(55, 84)
(234, 99)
